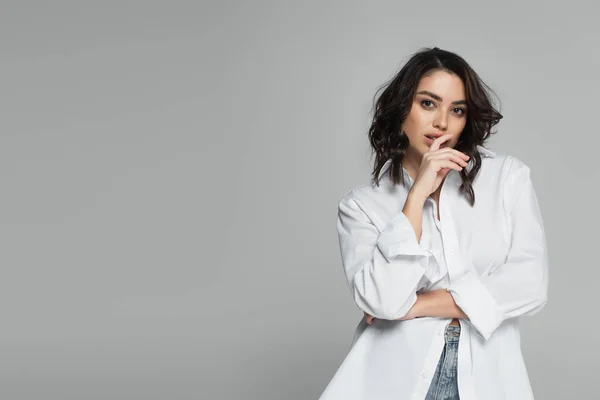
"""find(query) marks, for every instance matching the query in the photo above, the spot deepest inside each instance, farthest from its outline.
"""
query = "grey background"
(170, 174)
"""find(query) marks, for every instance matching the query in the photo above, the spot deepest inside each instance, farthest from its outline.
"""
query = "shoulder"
(514, 177)
(357, 196)
(506, 167)
(514, 171)
(376, 204)
(384, 192)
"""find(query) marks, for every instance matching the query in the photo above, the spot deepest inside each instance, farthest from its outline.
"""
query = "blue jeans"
(444, 385)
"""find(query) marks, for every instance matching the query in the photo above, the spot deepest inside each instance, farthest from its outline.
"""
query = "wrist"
(422, 304)
(416, 197)
(438, 303)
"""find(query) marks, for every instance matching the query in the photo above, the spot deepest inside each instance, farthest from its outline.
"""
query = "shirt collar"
(482, 150)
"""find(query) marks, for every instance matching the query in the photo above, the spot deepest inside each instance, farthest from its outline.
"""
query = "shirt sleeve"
(518, 287)
(383, 269)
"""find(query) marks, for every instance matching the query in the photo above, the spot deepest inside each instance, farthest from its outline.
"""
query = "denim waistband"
(452, 333)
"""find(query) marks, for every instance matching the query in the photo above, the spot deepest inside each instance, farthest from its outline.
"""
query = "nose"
(441, 121)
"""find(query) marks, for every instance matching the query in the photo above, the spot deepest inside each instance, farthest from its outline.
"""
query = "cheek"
(414, 123)
(459, 123)
(457, 127)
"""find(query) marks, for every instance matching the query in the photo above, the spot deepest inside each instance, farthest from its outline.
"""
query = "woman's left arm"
(436, 303)
(519, 286)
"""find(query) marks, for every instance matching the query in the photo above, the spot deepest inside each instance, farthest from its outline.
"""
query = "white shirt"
(492, 257)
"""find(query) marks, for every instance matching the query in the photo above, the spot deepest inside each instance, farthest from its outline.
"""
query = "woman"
(444, 250)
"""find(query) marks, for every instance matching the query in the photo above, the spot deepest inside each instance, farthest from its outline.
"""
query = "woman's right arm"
(413, 209)
(383, 269)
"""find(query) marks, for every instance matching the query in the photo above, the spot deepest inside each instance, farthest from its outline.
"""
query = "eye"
(460, 111)
(426, 101)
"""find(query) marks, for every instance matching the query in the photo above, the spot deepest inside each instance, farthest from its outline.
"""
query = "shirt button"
(424, 375)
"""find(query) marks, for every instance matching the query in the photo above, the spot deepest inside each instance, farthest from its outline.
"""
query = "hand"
(436, 164)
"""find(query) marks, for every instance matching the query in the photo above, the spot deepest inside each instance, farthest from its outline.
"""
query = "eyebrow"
(438, 98)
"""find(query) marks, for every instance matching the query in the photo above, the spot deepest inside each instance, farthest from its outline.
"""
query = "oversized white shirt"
(492, 257)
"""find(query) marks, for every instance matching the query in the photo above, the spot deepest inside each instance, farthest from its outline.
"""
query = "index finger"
(438, 142)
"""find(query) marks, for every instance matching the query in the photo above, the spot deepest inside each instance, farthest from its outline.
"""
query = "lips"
(430, 138)
(433, 136)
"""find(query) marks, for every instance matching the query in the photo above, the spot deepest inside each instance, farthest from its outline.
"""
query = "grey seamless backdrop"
(170, 174)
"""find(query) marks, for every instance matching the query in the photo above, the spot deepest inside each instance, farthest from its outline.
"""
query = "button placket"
(451, 248)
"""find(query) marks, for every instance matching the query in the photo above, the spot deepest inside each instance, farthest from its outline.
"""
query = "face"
(438, 108)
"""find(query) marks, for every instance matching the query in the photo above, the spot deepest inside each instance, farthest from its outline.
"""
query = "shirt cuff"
(399, 238)
(471, 295)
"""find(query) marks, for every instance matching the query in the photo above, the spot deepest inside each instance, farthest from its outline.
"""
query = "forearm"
(437, 303)
(413, 209)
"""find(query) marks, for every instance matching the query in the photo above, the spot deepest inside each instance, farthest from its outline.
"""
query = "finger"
(438, 142)
(450, 150)
(449, 156)
(446, 164)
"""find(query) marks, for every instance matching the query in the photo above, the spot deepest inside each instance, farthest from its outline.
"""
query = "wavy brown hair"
(393, 105)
